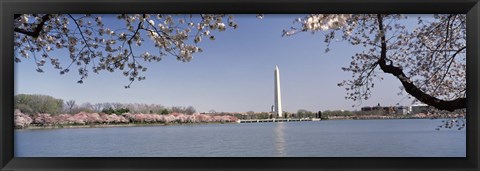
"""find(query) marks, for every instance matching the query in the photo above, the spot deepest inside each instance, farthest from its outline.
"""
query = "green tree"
(33, 104)
(122, 111)
(165, 112)
(108, 110)
(302, 113)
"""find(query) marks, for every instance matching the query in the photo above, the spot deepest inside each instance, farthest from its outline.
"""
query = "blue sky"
(234, 73)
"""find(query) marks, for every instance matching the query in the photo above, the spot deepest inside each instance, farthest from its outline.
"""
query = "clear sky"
(234, 73)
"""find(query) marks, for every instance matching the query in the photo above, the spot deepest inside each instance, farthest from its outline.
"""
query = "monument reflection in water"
(280, 140)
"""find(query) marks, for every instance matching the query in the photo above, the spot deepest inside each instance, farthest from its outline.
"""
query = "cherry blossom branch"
(37, 30)
(448, 67)
(81, 33)
(407, 83)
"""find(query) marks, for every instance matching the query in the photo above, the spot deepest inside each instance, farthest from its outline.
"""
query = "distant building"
(388, 109)
(421, 108)
(366, 108)
(408, 110)
(404, 110)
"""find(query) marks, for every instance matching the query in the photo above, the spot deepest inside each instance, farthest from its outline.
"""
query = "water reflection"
(279, 140)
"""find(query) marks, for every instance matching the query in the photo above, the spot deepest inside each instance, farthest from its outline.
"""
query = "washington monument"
(278, 97)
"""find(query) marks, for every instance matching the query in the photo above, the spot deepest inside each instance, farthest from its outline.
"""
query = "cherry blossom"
(83, 118)
(21, 120)
(429, 60)
(94, 46)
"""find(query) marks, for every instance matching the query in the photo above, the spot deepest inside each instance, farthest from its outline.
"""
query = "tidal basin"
(330, 138)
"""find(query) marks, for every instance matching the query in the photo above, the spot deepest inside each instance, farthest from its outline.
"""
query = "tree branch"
(408, 84)
(83, 37)
(35, 33)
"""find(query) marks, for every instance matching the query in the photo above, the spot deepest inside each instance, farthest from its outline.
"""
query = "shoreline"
(387, 118)
(180, 124)
(114, 125)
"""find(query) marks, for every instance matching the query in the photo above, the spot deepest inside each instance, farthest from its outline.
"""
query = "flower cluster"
(323, 22)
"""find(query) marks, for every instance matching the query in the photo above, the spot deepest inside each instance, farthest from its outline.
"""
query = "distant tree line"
(35, 104)
(379, 112)
(303, 113)
(252, 115)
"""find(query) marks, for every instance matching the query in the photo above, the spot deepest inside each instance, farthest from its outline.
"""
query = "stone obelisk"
(278, 97)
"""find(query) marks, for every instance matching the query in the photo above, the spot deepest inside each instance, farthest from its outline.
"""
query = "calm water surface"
(341, 138)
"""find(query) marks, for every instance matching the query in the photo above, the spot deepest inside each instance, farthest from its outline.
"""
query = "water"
(340, 138)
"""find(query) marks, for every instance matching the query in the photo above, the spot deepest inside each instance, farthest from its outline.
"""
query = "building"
(388, 109)
(366, 109)
(404, 110)
(421, 108)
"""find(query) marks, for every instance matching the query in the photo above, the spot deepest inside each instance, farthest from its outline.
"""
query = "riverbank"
(374, 117)
(95, 120)
(38, 127)
(35, 127)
